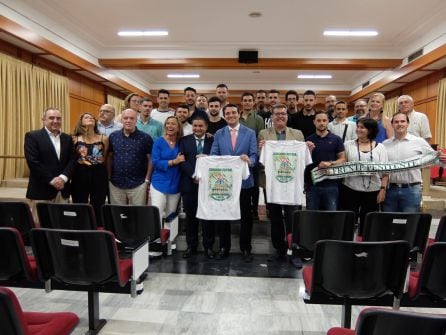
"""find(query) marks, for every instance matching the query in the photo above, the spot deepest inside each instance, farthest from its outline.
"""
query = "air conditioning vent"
(367, 83)
(415, 55)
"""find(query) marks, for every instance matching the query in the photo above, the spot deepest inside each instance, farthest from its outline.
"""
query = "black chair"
(14, 321)
(429, 284)
(310, 226)
(66, 216)
(132, 225)
(390, 226)
(365, 273)
(16, 214)
(15, 265)
(374, 321)
(440, 235)
(81, 260)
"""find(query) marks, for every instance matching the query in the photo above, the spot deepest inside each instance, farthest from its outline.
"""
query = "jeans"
(400, 199)
(322, 197)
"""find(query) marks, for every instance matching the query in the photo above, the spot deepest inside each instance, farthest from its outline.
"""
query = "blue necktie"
(200, 146)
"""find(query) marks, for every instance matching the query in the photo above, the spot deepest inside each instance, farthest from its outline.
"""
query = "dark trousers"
(208, 231)
(281, 224)
(89, 185)
(255, 190)
(224, 227)
(246, 219)
(359, 202)
(190, 204)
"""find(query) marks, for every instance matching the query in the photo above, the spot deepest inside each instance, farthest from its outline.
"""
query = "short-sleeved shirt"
(339, 128)
(161, 116)
(326, 149)
(214, 126)
(107, 130)
(419, 125)
(153, 128)
(304, 123)
(129, 162)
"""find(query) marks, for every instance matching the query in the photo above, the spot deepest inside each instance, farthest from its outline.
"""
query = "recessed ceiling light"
(255, 15)
(314, 76)
(350, 33)
(144, 33)
(177, 75)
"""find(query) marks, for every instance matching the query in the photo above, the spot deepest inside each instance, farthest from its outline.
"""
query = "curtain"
(440, 124)
(116, 102)
(26, 91)
(390, 107)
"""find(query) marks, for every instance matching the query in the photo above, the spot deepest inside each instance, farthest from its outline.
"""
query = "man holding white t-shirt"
(237, 140)
(284, 155)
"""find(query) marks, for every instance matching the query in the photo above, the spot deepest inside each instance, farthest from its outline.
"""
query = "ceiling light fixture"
(176, 75)
(314, 76)
(144, 33)
(350, 33)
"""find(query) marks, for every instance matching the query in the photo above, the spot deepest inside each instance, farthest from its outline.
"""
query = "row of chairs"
(309, 226)
(82, 259)
(371, 270)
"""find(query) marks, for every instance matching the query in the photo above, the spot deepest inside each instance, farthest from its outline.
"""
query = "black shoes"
(209, 253)
(222, 254)
(189, 252)
(297, 262)
(247, 256)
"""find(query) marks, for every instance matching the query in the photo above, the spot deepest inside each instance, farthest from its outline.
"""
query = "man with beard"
(360, 110)
(330, 102)
(222, 92)
(182, 113)
(304, 119)
(216, 122)
(147, 124)
(328, 150)
(291, 100)
(262, 109)
(190, 96)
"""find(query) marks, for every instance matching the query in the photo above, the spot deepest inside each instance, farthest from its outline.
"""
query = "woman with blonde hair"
(375, 106)
(133, 100)
(166, 176)
(89, 181)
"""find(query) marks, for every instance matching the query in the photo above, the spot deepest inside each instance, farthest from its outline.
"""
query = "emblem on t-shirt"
(220, 184)
(284, 165)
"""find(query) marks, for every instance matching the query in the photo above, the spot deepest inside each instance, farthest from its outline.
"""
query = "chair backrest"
(432, 277)
(372, 321)
(12, 321)
(360, 270)
(17, 215)
(440, 235)
(132, 224)
(79, 257)
(14, 263)
(66, 216)
(391, 226)
(310, 226)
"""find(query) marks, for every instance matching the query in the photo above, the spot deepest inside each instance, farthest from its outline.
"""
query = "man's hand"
(246, 159)
(58, 183)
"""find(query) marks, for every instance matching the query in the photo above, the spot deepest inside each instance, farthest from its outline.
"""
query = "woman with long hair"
(89, 181)
(376, 105)
(132, 101)
(166, 175)
(363, 194)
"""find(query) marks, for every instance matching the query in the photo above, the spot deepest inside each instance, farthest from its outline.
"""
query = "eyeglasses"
(136, 101)
(279, 114)
(105, 111)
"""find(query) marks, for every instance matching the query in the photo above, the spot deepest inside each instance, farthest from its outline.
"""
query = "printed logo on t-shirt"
(220, 184)
(285, 165)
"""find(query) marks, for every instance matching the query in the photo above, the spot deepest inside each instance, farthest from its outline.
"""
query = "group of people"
(150, 155)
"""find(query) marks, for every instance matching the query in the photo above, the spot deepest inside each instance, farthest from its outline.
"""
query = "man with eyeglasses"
(282, 148)
(106, 124)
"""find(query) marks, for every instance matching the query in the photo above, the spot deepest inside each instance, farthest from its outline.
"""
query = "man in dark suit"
(49, 155)
(192, 146)
(237, 140)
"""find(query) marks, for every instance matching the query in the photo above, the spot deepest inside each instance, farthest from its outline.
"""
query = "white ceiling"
(218, 29)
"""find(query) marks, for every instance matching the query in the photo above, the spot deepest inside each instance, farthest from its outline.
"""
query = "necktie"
(233, 137)
(200, 146)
